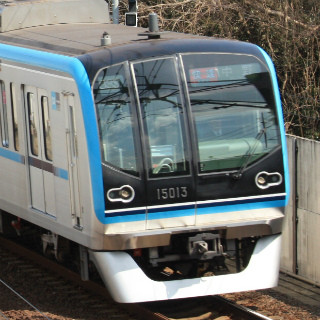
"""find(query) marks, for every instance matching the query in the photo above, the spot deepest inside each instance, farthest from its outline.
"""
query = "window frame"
(46, 127)
(14, 112)
(32, 124)
(4, 116)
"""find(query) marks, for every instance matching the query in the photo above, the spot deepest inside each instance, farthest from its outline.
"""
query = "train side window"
(4, 118)
(14, 116)
(46, 128)
(33, 132)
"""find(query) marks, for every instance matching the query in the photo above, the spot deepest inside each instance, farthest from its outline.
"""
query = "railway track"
(205, 308)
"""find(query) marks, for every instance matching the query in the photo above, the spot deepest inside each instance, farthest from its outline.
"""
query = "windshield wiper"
(237, 175)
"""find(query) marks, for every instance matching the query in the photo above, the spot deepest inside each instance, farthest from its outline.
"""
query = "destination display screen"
(211, 75)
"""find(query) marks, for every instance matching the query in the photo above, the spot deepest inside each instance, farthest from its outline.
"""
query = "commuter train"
(156, 158)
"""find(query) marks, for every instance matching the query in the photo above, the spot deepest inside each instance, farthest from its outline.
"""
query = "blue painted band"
(8, 154)
(128, 218)
(201, 209)
(131, 211)
(61, 173)
(240, 207)
(245, 201)
(281, 122)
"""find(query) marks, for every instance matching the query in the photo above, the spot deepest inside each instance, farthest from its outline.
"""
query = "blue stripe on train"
(5, 153)
(202, 209)
(281, 122)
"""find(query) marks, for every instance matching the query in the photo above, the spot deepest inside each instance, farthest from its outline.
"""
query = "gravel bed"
(54, 299)
(58, 303)
(274, 305)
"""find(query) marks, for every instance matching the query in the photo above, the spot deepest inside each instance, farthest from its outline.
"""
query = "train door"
(39, 150)
(72, 148)
(169, 182)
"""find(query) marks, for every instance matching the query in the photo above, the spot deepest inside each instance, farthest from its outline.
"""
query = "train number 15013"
(172, 193)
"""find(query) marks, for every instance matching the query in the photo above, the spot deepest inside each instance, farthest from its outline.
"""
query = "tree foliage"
(288, 30)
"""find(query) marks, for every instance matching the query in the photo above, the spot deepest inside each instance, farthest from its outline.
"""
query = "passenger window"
(115, 119)
(3, 115)
(14, 116)
(46, 128)
(32, 124)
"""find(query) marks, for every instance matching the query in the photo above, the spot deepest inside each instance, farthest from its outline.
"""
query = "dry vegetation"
(288, 30)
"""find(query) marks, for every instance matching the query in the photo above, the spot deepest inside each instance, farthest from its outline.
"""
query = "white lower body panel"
(127, 283)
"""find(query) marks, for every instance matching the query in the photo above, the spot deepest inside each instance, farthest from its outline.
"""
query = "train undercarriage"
(193, 256)
(188, 255)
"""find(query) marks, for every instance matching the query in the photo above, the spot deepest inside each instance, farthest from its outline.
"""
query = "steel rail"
(248, 313)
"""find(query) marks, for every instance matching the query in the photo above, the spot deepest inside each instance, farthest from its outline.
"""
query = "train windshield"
(233, 110)
(115, 119)
(228, 108)
(163, 117)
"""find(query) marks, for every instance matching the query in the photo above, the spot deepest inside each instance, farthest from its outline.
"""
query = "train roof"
(68, 27)
(77, 28)
(77, 39)
(71, 27)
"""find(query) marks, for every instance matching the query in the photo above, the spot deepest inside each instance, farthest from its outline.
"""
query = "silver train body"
(163, 160)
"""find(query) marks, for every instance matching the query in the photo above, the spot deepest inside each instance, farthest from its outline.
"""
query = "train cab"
(193, 159)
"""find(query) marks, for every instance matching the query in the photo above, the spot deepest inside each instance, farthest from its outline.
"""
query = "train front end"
(194, 169)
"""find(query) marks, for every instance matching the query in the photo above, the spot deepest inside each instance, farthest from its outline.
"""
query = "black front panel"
(186, 128)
